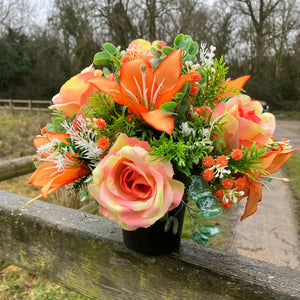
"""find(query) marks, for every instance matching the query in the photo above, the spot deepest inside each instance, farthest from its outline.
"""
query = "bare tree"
(14, 14)
(284, 25)
(258, 12)
(221, 28)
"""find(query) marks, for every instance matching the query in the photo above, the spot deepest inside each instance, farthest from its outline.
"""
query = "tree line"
(256, 37)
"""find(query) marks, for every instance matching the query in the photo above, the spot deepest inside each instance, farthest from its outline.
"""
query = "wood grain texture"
(85, 253)
(16, 167)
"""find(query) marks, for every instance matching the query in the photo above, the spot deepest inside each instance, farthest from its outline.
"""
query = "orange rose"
(75, 92)
(245, 122)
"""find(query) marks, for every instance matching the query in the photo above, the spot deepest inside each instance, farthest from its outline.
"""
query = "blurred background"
(45, 42)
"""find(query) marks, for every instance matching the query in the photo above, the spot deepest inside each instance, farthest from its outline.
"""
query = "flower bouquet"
(149, 132)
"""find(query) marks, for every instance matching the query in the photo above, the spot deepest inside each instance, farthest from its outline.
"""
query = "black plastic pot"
(154, 240)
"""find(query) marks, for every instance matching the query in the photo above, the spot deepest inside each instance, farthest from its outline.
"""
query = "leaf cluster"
(185, 42)
(206, 209)
(56, 125)
(110, 56)
(212, 85)
(184, 151)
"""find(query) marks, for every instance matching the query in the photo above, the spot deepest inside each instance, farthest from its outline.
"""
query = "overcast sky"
(40, 10)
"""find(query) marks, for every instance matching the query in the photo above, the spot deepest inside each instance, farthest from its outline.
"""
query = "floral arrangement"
(149, 129)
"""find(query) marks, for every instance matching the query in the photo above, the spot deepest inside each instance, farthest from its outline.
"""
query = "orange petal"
(169, 93)
(235, 84)
(39, 141)
(255, 196)
(159, 120)
(58, 135)
(69, 109)
(131, 83)
(169, 69)
(133, 107)
(104, 85)
(43, 177)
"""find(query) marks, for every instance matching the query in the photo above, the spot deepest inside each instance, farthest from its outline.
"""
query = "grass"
(17, 132)
(292, 170)
(16, 283)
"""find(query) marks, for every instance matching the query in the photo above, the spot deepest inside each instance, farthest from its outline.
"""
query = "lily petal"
(169, 70)
(159, 120)
(237, 83)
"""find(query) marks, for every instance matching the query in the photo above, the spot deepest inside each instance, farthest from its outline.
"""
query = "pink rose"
(245, 122)
(132, 188)
(75, 92)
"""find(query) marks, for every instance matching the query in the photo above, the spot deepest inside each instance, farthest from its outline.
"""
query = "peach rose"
(245, 122)
(132, 188)
(75, 92)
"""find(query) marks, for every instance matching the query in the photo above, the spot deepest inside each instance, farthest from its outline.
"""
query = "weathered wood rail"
(16, 167)
(85, 253)
(29, 105)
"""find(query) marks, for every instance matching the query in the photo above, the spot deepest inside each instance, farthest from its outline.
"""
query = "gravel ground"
(271, 235)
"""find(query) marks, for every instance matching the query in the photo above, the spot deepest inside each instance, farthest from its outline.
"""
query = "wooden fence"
(16, 167)
(85, 253)
(28, 105)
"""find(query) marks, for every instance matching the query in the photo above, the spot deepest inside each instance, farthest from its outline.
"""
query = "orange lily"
(272, 162)
(143, 90)
(48, 176)
(237, 83)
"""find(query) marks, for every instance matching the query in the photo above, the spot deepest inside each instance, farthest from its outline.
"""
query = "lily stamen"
(157, 91)
(143, 69)
(130, 93)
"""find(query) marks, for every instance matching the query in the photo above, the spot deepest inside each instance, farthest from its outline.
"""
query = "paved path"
(271, 234)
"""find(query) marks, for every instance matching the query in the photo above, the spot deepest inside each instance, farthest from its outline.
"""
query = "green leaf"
(89, 179)
(210, 230)
(101, 58)
(175, 225)
(168, 106)
(57, 126)
(211, 213)
(205, 192)
(178, 39)
(106, 72)
(203, 78)
(206, 202)
(193, 50)
(155, 62)
(198, 184)
(183, 106)
(49, 127)
(167, 50)
(185, 42)
(188, 57)
(169, 223)
(109, 48)
(199, 238)
(155, 53)
(84, 194)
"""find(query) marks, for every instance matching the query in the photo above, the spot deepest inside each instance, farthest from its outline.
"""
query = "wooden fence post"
(30, 106)
(11, 106)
